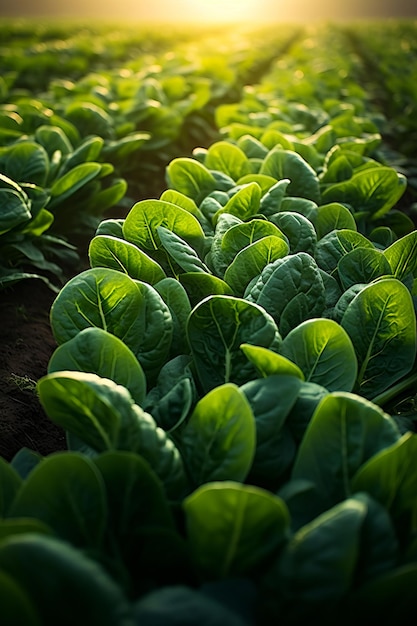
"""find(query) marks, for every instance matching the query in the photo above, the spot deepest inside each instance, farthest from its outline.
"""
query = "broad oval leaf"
(337, 243)
(99, 352)
(381, 323)
(191, 178)
(344, 432)
(244, 203)
(52, 574)
(362, 265)
(183, 254)
(72, 181)
(291, 289)
(286, 164)
(215, 330)
(121, 255)
(144, 218)
(298, 229)
(250, 261)
(324, 352)
(104, 416)
(402, 255)
(373, 190)
(234, 529)
(199, 286)
(333, 216)
(228, 158)
(66, 492)
(219, 439)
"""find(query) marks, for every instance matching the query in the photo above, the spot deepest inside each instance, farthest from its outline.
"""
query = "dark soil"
(26, 345)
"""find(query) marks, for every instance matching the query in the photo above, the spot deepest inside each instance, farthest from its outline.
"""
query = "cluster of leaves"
(72, 152)
(222, 371)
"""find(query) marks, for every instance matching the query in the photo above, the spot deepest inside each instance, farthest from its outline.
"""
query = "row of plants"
(223, 373)
(80, 146)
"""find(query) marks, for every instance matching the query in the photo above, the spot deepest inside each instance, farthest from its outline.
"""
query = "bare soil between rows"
(26, 345)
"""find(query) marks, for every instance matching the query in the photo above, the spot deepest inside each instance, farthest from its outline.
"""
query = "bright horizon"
(210, 11)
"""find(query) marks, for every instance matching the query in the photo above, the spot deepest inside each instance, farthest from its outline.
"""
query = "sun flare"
(223, 10)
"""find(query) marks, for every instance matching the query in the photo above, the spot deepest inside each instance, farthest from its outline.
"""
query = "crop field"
(208, 297)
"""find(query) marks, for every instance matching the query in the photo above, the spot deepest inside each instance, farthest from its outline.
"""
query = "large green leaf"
(272, 399)
(317, 566)
(182, 253)
(244, 203)
(391, 477)
(99, 352)
(10, 483)
(132, 311)
(333, 246)
(286, 164)
(142, 222)
(25, 162)
(72, 181)
(234, 529)
(402, 255)
(362, 265)
(215, 330)
(250, 261)
(104, 416)
(121, 255)
(344, 432)
(66, 492)
(373, 190)
(228, 158)
(191, 178)
(14, 203)
(381, 323)
(324, 353)
(61, 583)
(290, 289)
(269, 363)
(218, 442)
(298, 229)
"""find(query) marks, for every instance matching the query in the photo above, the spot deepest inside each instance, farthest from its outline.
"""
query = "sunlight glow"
(222, 10)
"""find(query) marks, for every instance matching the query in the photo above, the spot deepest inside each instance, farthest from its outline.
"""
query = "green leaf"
(15, 207)
(25, 162)
(402, 255)
(72, 181)
(191, 178)
(390, 476)
(344, 432)
(199, 286)
(215, 330)
(324, 353)
(141, 225)
(175, 297)
(298, 229)
(244, 203)
(317, 566)
(132, 311)
(272, 399)
(290, 289)
(10, 483)
(104, 416)
(362, 265)
(52, 574)
(181, 252)
(269, 363)
(333, 216)
(65, 491)
(333, 246)
(118, 254)
(234, 529)
(99, 352)
(218, 442)
(374, 190)
(250, 261)
(286, 164)
(381, 323)
(228, 158)
(271, 201)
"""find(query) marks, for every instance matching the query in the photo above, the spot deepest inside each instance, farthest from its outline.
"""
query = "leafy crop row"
(223, 372)
(72, 149)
